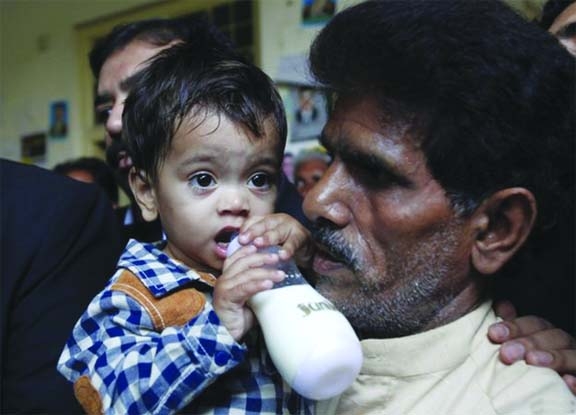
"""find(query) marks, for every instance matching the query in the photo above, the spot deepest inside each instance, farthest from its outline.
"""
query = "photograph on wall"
(33, 148)
(317, 12)
(58, 119)
(308, 113)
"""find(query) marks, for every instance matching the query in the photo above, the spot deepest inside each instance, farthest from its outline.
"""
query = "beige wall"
(38, 65)
(39, 60)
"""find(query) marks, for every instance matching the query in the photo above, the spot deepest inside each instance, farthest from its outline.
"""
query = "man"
(114, 61)
(309, 166)
(452, 140)
(128, 48)
(59, 243)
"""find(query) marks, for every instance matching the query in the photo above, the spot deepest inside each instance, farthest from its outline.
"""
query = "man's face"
(392, 257)
(113, 83)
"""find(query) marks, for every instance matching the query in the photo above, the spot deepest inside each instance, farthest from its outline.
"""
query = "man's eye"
(202, 180)
(260, 181)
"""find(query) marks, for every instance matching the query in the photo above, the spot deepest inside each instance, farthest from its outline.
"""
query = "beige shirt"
(451, 370)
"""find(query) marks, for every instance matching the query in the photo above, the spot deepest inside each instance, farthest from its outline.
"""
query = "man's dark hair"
(101, 172)
(488, 96)
(190, 80)
(158, 32)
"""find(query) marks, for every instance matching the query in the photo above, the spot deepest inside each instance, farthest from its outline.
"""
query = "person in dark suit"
(59, 243)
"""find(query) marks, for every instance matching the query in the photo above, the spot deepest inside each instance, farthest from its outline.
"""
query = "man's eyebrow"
(372, 163)
(125, 85)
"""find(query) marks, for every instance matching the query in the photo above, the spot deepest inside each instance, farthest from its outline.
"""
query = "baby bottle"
(311, 343)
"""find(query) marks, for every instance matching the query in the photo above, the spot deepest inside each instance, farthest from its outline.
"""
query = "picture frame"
(58, 119)
(309, 113)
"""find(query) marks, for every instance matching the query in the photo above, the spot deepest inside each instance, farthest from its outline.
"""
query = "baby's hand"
(280, 229)
(245, 273)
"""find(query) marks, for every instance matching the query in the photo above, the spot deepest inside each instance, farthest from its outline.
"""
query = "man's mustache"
(332, 241)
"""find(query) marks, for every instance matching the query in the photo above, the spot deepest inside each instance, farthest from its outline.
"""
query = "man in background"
(309, 166)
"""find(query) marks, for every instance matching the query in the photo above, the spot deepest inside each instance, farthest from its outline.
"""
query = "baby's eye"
(202, 180)
(260, 181)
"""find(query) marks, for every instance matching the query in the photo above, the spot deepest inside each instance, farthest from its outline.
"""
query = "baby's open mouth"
(224, 236)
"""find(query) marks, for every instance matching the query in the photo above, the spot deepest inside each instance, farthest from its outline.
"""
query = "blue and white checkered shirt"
(196, 367)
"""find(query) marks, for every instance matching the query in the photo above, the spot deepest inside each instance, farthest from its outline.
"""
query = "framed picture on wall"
(58, 119)
(33, 148)
(308, 113)
(317, 12)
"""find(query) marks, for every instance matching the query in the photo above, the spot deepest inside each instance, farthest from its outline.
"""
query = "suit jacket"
(59, 243)
(139, 229)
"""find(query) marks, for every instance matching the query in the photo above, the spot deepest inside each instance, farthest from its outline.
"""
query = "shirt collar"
(157, 271)
(431, 351)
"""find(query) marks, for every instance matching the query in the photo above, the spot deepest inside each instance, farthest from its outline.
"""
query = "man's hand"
(536, 341)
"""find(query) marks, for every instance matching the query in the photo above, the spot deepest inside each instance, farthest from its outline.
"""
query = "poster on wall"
(58, 119)
(33, 148)
(309, 113)
(317, 12)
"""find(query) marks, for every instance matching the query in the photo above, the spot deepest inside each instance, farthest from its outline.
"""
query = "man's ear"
(502, 224)
(143, 194)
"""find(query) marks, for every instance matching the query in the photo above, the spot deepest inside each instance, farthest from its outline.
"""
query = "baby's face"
(214, 177)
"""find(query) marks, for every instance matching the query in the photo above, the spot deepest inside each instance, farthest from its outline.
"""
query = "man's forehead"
(360, 121)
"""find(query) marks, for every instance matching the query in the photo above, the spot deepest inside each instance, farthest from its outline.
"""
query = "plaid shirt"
(194, 368)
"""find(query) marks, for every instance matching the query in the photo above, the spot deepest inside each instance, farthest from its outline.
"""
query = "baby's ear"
(504, 221)
(144, 194)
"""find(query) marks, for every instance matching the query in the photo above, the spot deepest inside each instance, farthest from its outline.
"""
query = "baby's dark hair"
(193, 81)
